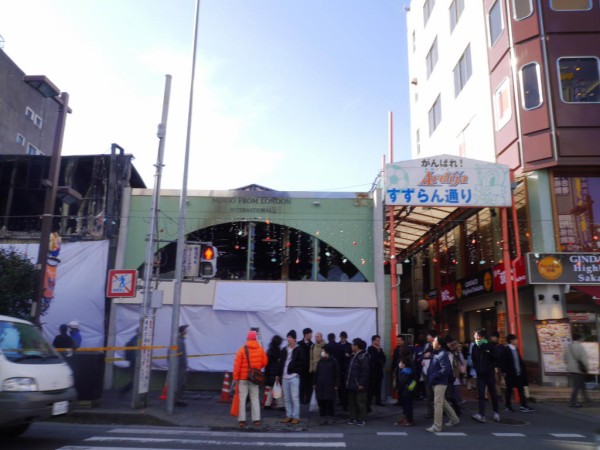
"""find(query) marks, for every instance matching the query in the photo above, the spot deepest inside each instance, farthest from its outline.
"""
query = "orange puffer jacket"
(258, 360)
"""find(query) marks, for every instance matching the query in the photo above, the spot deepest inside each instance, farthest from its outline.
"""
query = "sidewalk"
(204, 410)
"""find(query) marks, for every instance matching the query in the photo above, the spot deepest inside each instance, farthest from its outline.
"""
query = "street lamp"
(48, 90)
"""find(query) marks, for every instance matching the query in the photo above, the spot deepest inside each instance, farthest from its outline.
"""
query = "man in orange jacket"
(257, 359)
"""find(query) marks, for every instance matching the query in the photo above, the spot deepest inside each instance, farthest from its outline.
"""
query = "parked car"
(35, 381)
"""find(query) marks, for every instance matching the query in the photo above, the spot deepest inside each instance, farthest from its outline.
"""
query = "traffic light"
(208, 261)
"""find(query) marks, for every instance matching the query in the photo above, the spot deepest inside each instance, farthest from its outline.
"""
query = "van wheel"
(15, 431)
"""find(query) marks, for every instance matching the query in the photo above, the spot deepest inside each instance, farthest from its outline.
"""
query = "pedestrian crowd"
(349, 374)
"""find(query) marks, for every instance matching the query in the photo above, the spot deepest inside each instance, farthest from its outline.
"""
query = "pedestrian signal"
(208, 261)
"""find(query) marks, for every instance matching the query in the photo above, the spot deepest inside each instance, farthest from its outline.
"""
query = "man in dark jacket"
(377, 361)
(63, 340)
(357, 383)
(484, 363)
(290, 366)
(512, 366)
(439, 376)
(306, 345)
(343, 355)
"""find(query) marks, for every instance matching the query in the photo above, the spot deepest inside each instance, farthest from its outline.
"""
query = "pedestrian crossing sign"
(121, 283)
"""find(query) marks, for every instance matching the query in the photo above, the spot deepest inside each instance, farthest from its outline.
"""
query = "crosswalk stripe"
(449, 433)
(289, 435)
(567, 435)
(509, 434)
(87, 447)
(392, 433)
(217, 443)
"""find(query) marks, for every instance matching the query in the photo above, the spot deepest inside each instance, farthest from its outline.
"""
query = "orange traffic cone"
(225, 390)
(163, 396)
(266, 396)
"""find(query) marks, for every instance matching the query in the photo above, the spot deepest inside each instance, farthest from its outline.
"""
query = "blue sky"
(293, 95)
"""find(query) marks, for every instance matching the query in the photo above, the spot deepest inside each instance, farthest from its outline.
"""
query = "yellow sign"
(549, 268)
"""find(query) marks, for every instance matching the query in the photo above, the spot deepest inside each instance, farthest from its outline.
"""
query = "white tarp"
(80, 287)
(241, 296)
(223, 332)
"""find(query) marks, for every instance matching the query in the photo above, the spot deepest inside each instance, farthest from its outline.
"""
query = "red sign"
(500, 275)
(121, 283)
(448, 294)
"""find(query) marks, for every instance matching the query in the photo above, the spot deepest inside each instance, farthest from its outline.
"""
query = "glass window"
(427, 8)
(531, 86)
(435, 115)
(462, 71)
(432, 57)
(577, 200)
(502, 104)
(37, 120)
(33, 150)
(23, 344)
(571, 5)
(29, 113)
(456, 9)
(522, 9)
(20, 139)
(495, 22)
(579, 80)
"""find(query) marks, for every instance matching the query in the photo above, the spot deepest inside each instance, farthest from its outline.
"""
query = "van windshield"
(22, 342)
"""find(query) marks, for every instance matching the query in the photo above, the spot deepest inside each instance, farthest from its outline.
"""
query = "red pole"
(392, 228)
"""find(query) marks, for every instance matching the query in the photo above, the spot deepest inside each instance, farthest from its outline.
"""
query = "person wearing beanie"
(306, 345)
(290, 366)
(181, 366)
(257, 359)
(75, 333)
(326, 382)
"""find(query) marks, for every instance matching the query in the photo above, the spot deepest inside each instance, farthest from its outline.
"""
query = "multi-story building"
(27, 118)
(517, 83)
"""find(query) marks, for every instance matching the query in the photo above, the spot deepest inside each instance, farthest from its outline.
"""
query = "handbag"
(255, 376)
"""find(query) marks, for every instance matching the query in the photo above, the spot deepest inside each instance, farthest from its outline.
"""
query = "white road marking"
(392, 433)
(567, 435)
(165, 432)
(449, 433)
(509, 434)
(217, 443)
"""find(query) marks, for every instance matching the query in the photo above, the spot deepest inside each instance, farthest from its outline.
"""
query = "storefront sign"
(263, 205)
(448, 294)
(447, 180)
(581, 317)
(563, 268)
(478, 284)
(500, 275)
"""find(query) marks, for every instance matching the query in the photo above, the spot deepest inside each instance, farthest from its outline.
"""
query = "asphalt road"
(546, 428)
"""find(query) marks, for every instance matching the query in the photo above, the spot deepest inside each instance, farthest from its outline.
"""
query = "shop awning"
(594, 291)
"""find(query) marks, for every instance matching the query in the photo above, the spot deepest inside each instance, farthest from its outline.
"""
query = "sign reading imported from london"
(447, 180)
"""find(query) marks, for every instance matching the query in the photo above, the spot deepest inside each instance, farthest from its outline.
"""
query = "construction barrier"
(225, 390)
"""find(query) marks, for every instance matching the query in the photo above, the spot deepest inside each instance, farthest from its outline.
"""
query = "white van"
(35, 381)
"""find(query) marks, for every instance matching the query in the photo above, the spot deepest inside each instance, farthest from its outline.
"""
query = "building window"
(531, 86)
(571, 5)
(432, 57)
(29, 113)
(579, 80)
(502, 105)
(456, 9)
(462, 71)
(33, 150)
(435, 115)
(495, 22)
(427, 9)
(20, 139)
(37, 120)
(522, 9)
(418, 142)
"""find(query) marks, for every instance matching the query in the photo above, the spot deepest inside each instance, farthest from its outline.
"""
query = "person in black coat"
(405, 383)
(306, 345)
(357, 383)
(514, 371)
(326, 383)
(272, 369)
(343, 355)
(484, 363)
(63, 340)
(377, 361)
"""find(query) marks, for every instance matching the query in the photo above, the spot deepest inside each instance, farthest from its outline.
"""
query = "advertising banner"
(500, 275)
(563, 268)
(553, 338)
(447, 180)
(472, 286)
